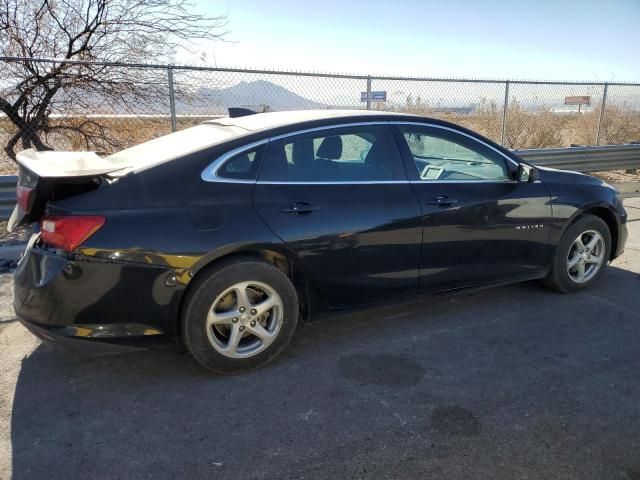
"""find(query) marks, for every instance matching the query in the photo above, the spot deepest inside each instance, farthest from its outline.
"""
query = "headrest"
(330, 148)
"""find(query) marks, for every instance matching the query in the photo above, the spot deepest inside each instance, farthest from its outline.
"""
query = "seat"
(324, 169)
(302, 156)
(330, 148)
(377, 163)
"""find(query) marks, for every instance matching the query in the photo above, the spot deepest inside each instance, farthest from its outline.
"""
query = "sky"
(523, 39)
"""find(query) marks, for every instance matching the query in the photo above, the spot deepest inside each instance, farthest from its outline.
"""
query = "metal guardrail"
(578, 159)
(7, 195)
(585, 159)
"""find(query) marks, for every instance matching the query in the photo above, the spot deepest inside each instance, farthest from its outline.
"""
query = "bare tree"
(111, 31)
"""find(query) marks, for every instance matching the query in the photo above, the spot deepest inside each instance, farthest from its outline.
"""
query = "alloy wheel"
(586, 256)
(244, 319)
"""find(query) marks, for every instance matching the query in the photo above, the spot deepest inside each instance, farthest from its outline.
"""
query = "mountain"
(261, 95)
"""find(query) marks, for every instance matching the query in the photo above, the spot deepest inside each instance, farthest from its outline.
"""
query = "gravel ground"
(19, 235)
(8, 167)
(513, 382)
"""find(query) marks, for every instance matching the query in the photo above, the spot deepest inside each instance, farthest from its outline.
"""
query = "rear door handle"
(300, 208)
(442, 200)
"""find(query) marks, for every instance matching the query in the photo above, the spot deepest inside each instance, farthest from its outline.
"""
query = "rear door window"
(346, 154)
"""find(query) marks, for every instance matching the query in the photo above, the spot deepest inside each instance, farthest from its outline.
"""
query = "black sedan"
(226, 235)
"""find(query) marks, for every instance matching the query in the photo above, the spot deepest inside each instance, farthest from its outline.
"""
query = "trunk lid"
(50, 176)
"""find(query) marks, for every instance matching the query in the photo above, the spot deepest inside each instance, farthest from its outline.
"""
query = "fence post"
(172, 98)
(504, 113)
(602, 107)
(369, 92)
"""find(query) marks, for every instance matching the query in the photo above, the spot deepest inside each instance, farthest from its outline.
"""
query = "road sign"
(380, 96)
(578, 100)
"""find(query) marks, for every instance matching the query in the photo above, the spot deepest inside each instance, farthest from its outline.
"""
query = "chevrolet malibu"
(226, 235)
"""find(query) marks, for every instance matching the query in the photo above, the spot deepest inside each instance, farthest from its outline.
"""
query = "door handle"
(300, 208)
(442, 200)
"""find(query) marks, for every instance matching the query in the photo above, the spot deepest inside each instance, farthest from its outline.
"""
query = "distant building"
(570, 109)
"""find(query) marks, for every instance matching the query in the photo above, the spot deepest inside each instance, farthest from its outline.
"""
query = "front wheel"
(239, 316)
(581, 255)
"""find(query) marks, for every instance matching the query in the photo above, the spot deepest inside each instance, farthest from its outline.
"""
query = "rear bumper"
(62, 339)
(104, 307)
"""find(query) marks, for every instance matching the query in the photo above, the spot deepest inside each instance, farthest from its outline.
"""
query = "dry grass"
(619, 176)
(542, 128)
(18, 236)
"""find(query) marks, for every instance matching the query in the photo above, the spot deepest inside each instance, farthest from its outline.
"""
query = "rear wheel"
(239, 316)
(581, 256)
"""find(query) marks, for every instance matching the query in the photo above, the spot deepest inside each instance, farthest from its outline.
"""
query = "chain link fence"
(106, 107)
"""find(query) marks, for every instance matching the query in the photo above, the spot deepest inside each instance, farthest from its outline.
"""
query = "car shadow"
(354, 394)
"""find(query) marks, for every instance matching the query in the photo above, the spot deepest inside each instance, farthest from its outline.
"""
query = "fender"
(561, 225)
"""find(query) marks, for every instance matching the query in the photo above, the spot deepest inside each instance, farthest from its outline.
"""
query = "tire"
(213, 320)
(566, 279)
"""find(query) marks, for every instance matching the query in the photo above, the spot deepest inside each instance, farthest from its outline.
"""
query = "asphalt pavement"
(516, 382)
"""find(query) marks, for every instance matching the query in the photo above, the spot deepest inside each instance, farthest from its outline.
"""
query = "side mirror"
(527, 173)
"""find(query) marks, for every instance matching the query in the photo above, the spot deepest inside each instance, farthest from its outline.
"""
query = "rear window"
(243, 166)
(174, 145)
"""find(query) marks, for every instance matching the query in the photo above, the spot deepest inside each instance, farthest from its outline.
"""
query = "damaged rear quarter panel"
(168, 217)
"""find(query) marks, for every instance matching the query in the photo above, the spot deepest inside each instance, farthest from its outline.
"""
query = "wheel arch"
(281, 258)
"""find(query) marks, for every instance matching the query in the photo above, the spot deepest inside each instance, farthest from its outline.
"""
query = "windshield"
(174, 145)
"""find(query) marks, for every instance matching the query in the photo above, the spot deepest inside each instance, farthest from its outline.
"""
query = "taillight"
(70, 232)
(23, 195)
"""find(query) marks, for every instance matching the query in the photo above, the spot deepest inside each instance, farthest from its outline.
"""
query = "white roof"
(262, 121)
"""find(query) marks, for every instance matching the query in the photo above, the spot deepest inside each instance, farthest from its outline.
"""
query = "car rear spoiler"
(50, 176)
(65, 164)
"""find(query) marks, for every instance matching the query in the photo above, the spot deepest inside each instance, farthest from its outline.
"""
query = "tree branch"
(109, 30)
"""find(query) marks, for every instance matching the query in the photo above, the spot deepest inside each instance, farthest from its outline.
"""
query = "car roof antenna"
(235, 112)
